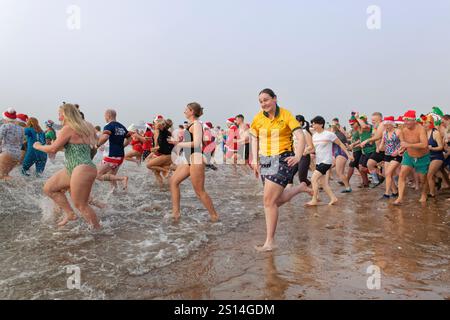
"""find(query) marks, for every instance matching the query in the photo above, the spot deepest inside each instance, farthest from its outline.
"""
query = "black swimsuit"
(165, 148)
(189, 137)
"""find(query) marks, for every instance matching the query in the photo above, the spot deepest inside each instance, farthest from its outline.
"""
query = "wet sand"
(323, 253)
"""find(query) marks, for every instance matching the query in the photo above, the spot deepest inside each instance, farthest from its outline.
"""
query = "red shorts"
(113, 162)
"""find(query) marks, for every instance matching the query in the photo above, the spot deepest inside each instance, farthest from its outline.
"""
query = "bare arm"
(383, 142)
(309, 144)
(62, 139)
(377, 136)
(299, 148)
(255, 151)
(103, 138)
(344, 148)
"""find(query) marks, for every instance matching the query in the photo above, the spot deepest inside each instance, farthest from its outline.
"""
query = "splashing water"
(137, 237)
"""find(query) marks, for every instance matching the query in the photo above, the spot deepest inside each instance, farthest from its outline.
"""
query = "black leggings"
(302, 169)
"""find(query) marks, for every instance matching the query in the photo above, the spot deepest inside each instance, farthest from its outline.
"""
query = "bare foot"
(67, 219)
(176, 217)
(332, 202)
(264, 248)
(397, 202)
(214, 218)
(97, 204)
(423, 199)
(304, 188)
(311, 204)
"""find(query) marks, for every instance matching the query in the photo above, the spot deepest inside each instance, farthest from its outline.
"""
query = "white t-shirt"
(323, 143)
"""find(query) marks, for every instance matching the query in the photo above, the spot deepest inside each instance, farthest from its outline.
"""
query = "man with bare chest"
(414, 146)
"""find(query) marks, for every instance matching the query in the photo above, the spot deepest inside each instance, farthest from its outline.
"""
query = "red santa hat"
(231, 120)
(158, 117)
(10, 114)
(22, 118)
(399, 120)
(410, 115)
(149, 125)
(389, 120)
(208, 125)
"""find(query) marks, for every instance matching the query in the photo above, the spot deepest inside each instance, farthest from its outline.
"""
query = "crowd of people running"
(408, 150)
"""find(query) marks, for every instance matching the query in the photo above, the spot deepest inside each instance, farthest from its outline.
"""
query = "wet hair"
(240, 116)
(319, 120)
(446, 117)
(98, 128)
(196, 109)
(336, 120)
(169, 123)
(181, 126)
(34, 123)
(269, 92)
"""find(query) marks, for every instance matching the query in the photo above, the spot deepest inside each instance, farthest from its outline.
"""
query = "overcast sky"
(145, 57)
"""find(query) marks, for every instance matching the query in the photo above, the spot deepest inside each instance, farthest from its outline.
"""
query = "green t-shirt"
(50, 135)
(355, 137)
(370, 147)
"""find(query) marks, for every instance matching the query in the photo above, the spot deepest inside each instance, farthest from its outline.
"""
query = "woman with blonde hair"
(76, 137)
(11, 140)
(34, 133)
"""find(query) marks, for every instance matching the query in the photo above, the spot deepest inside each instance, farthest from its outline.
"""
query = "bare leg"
(391, 172)
(340, 170)
(327, 189)
(315, 186)
(292, 191)
(7, 163)
(423, 181)
(363, 171)
(107, 173)
(82, 179)
(435, 166)
(404, 173)
(56, 188)
(181, 174)
(197, 174)
(272, 192)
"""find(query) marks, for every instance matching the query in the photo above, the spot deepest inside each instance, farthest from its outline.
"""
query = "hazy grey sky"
(153, 57)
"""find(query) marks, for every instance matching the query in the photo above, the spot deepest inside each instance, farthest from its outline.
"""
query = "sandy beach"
(323, 252)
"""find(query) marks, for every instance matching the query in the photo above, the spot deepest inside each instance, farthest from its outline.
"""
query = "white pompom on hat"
(10, 114)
